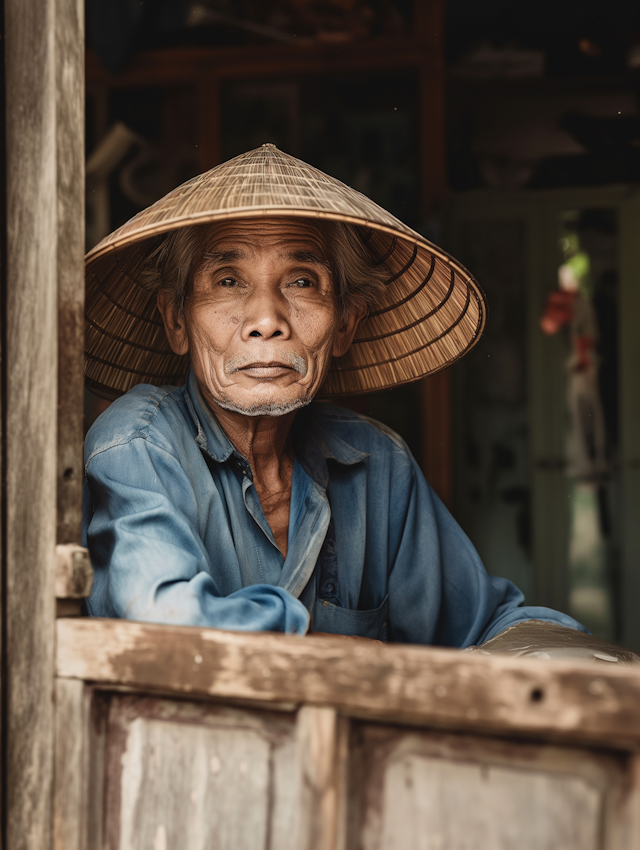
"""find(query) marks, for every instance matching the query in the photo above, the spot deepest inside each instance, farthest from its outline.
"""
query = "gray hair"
(358, 276)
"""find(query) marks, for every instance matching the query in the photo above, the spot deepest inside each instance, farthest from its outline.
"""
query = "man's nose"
(266, 316)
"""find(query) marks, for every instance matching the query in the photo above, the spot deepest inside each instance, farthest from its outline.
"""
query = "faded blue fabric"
(177, 534)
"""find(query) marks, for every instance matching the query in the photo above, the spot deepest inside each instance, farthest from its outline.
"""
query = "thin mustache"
(295, 361)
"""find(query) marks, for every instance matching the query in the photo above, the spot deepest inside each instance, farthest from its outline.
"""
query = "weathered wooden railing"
(172, 737)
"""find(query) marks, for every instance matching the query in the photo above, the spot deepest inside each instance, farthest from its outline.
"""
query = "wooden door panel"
(429, 803)
(197, 776)
(413, 791)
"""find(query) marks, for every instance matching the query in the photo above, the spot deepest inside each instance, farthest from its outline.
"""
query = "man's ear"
(174, 324)
(347, 331)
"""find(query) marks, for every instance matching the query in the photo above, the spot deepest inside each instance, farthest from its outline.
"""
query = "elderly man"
(234, 500)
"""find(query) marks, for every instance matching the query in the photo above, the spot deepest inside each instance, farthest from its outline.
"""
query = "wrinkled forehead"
(283, 233)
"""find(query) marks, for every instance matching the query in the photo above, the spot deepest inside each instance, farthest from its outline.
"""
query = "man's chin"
(267, 407)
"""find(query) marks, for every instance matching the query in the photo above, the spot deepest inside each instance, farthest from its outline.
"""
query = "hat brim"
(430, 314)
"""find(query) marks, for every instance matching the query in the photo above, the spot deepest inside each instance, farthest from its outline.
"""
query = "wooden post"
(44, 227)
(629, 357)
(31, 400)
(436, 390)
(70, 269)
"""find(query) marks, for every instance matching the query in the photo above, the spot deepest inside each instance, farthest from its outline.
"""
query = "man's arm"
(439, 590)
(150, 562)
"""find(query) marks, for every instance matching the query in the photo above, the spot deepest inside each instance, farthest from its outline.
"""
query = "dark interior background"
(538, 98)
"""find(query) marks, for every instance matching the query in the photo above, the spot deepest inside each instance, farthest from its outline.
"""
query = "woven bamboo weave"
(431, 312)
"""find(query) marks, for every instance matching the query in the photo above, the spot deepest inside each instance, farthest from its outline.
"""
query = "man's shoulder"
(362, 432)
(144, 412)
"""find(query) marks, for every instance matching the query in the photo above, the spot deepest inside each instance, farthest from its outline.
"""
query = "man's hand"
(345, 637)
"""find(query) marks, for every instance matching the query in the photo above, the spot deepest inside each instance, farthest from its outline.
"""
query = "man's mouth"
(266, 370)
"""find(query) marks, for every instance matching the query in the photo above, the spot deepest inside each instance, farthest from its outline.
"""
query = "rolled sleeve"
(150, 561)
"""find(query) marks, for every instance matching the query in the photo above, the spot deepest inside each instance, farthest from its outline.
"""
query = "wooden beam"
(31, 399)
(70, 248)
(183, 65)
(398, 684)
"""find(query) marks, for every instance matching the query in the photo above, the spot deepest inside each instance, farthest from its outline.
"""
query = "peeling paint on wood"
(198, 776)
(408, 684)
(29, 478)
(457, 792)
(74, 573)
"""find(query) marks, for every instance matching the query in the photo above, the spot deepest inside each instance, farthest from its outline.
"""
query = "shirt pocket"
(348, 621)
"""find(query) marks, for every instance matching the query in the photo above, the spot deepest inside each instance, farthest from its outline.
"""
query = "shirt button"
(325, 602)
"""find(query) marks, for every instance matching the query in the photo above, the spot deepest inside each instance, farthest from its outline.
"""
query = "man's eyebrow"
(308, 257)
(223, 256)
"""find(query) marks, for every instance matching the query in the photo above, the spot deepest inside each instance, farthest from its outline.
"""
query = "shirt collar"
(313, 445)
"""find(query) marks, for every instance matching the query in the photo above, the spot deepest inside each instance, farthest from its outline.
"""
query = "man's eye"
(303, 282)
(227, 281)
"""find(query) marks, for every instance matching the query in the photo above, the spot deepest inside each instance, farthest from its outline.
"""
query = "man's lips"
(266, 370)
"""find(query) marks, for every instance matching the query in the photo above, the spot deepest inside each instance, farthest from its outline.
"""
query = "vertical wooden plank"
(3, 454)
(209, 140)
(80, 764)
(70, 789)
(623, 817)
(31, 398)
(633, 805)
(546, 376)
(435, 391)
(322, 749)
(629, 358)
(70, 235)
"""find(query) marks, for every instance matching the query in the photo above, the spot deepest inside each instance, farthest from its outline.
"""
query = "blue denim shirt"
(177, 534)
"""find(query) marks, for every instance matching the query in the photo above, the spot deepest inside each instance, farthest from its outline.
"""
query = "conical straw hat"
(431, 312)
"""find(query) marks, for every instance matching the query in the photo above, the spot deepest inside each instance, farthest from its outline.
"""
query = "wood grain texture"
(74, 573)
(322, 753)
(405, 684)
(31, 366)
(457, 792)
(71, 765)
(174, 66)
(70, 154)
(629, 357)
(198, 776)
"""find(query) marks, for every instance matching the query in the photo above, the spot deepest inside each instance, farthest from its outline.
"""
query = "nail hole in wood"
(537, 695)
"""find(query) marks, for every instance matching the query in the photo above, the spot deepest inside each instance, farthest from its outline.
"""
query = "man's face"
(261, 319)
